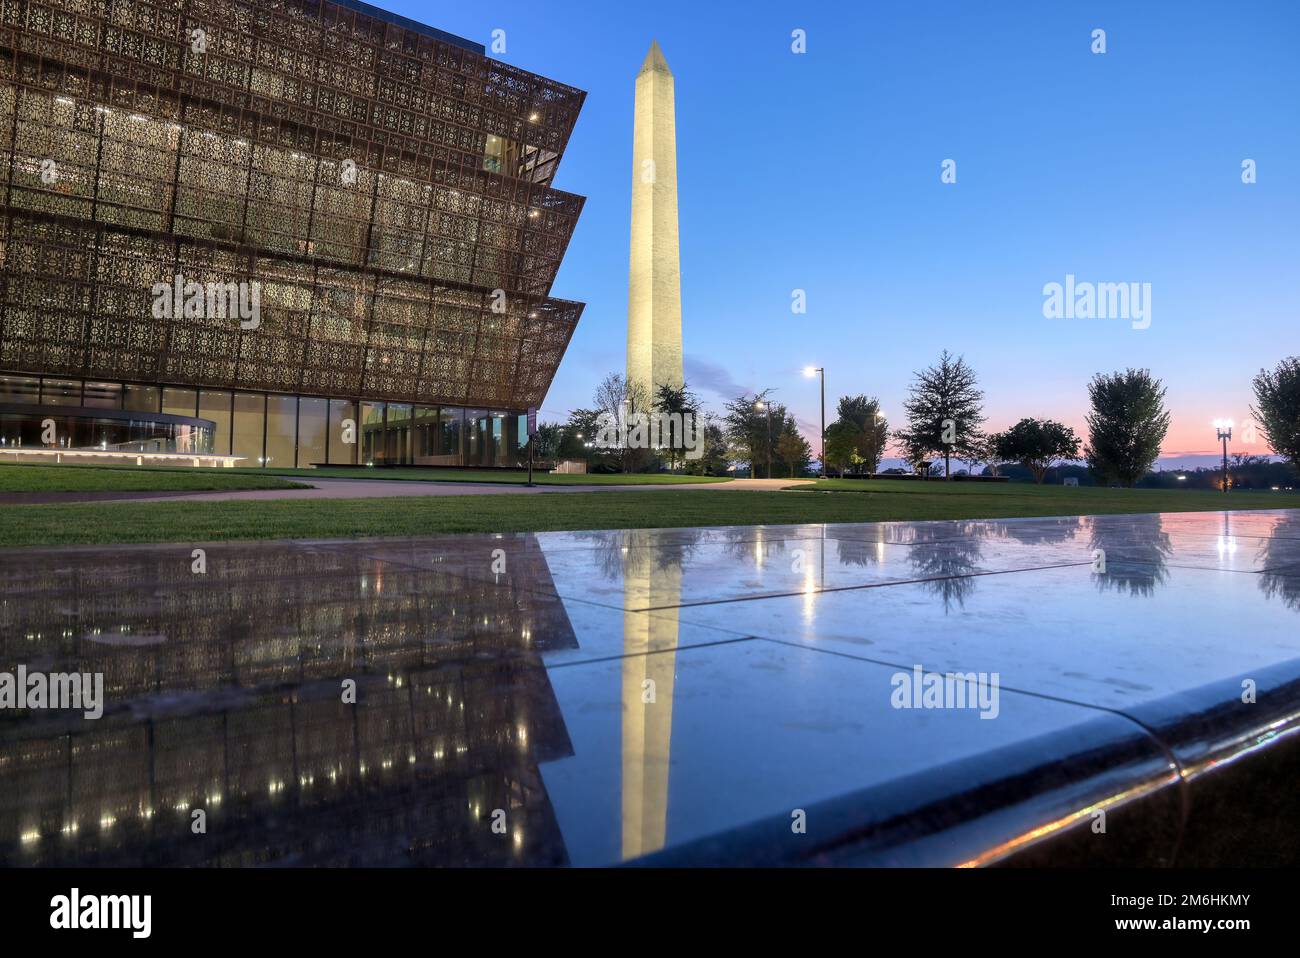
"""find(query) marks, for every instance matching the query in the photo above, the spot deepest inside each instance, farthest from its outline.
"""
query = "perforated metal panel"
(386, 187)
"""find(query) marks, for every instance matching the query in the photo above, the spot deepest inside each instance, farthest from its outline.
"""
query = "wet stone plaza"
(749, 695)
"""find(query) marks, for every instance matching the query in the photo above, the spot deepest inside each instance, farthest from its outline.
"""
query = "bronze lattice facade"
(385, 185)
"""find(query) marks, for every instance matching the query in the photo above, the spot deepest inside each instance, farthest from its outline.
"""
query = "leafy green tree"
(547, 441)
(1127, 424)
(715, 461)
(862, 434)
(843, 439)
(677, 402)
(792, 449)
(1037, 444)
(746, 427)
(945, 409)
(914, 451)
(980, 450)
(1277, 408)
(581, 429)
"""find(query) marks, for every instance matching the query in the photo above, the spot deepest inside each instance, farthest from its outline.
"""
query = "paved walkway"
(397, 488)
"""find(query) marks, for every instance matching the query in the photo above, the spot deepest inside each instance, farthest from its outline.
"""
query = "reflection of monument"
(654, 311)
(651, 580)
(648, 697)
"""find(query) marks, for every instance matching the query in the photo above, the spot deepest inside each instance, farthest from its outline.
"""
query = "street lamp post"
(820, 371)
(1224, 429)
(768, 407)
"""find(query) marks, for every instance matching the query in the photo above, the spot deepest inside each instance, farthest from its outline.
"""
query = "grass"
(69, 478)
(407, 474)
(122, 522)
(432, 474)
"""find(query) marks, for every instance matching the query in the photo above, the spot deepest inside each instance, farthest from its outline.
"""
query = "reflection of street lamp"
(768, 406)
(1224, 428)
(820, 371)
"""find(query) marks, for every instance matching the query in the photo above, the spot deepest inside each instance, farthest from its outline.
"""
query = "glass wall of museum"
(302, 431)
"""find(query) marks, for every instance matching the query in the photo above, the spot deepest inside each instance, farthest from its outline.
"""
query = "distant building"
(297, 233)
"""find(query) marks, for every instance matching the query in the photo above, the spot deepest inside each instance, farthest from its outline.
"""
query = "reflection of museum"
(223, 693)
(386, 184)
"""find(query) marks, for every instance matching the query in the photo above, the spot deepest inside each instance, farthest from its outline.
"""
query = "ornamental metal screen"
(386, 186)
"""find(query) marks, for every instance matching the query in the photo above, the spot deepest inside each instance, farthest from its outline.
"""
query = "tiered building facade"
(379, 191)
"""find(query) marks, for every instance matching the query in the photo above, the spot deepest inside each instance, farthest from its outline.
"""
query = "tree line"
(1127, 423)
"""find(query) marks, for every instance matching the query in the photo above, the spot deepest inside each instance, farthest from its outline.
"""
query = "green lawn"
(407, 474)
(68, 478)
(429, 474)
(342, 518)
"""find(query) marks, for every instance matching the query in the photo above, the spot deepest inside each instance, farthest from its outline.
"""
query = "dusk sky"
(821, 172)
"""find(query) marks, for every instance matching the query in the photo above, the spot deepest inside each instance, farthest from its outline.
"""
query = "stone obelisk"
(654, 309)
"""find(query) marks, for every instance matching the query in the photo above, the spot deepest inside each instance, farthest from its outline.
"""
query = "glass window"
(478, 438)
(372, 432)
(500, 454)
(424, 434)
(342, 452)
(397, 432)
(20, 389)
(142, 398)
(519, 436)
(60, 392)
(180, 402)
(103, 396)
(312, 414)
(281, 430)
(450, 422)
(216, 406)
(249, 428)
(493, 153)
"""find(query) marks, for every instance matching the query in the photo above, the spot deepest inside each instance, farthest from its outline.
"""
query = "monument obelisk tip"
(654, 60)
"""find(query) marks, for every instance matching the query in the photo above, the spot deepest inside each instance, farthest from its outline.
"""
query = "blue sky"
(821, 172)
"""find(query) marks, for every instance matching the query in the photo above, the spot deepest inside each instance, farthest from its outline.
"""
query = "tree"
(715, 461)
(746, 427)
(980, 449)
(581, 429)
(861, 434)
(1127, 424)
(548, 440)
(1277, 408)
(676, 402)
(843, 439)
(1037, 444)
(945, 409)
(792, 448)
(913, 451)
(617, 397)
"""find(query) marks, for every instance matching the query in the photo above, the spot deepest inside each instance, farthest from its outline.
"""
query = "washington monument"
(654, 307)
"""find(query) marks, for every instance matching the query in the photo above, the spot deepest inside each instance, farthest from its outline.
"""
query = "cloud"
(702, 374)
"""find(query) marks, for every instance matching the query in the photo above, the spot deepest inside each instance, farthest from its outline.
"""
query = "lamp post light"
(767, 406)
(1224, 429)
(820, 371)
